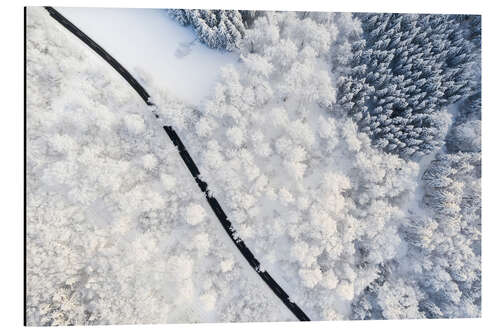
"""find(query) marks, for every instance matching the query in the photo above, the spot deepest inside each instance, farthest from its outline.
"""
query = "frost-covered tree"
(220, 29)
(405, 70)
(456, 201)
(446, 247)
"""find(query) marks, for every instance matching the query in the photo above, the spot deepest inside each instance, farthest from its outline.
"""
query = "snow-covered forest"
(344, 148)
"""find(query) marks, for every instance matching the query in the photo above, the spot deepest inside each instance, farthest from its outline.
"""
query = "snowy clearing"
(150, 40)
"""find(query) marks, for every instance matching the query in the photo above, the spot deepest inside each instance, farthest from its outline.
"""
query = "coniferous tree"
(219, 29)
(405, 70)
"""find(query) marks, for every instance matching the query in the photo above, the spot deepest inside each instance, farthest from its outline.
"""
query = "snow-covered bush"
(220, 29)
(195, 214)
(405, 69)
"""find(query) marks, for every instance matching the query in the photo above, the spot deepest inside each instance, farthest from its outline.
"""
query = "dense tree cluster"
(449, 244)
(405, 69)
(219, 29)
(465, 135)
(442, 267)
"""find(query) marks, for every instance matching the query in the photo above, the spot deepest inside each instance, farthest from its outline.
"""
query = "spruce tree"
(218, 29)
(405, 70)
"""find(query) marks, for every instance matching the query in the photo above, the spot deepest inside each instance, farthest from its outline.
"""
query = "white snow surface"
(152, 41)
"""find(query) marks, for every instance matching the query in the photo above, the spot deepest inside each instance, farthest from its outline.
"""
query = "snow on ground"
(117, 230)
(149, 39)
